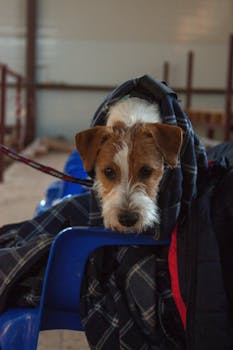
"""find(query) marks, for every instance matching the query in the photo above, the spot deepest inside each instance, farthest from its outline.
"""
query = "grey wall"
(109, 41)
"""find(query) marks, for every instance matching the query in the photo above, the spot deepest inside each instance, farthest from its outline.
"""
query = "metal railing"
(6, 72)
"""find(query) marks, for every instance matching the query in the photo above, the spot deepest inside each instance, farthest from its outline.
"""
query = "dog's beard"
(132, 199)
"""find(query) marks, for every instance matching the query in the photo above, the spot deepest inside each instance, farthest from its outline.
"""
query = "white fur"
(121, 159)
(130, 198)
(125, 195)
(133, 110)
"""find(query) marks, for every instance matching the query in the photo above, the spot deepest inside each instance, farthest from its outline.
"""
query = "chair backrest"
(65, 269)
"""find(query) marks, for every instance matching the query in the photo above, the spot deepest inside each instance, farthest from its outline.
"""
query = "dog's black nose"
(128, 218)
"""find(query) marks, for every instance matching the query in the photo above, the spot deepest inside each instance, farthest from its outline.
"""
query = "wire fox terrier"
(128, 157)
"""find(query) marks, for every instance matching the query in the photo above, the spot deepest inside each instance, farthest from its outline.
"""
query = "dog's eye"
(145, 172)
(109, 173)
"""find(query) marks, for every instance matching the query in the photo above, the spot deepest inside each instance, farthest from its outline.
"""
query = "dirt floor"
(22, 189)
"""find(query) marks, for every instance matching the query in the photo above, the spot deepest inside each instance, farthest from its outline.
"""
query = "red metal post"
(166, 72)
(228, 101)
(2, 115)
(210, 133)
(31, 71)
(12, 73)
(189, 79)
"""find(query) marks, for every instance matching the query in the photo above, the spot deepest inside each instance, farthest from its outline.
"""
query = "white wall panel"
(108, 41)
(65, 113)
(112, 62)
(12, 34)
(200, 21)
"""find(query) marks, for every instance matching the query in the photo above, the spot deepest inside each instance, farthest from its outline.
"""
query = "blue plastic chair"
(59, 307)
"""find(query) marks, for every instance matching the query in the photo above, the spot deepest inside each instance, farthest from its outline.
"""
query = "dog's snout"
(128, 218)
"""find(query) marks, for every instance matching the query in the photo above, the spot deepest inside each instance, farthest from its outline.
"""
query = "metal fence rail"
(5, 73)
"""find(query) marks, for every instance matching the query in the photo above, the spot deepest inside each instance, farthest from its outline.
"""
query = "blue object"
(74, 167)
(59, 307)
(19, 329)
(60, 189)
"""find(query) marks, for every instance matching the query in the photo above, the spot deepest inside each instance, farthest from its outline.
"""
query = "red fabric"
(173, 269)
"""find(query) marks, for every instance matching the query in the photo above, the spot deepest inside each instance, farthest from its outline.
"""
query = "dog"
(128, 157)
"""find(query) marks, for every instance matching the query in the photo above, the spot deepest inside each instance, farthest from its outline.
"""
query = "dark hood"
(178, 186)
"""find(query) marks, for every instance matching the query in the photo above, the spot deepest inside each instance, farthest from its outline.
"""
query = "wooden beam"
(189, 80)
(31, 70)
(55, 86)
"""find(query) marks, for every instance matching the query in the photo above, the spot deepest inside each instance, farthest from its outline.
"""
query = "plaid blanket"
(126, 299)
(24, 249)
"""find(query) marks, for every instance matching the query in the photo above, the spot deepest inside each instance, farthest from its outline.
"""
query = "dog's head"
(129, 163)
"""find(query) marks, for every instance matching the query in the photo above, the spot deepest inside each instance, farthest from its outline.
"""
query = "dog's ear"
(88, 143)
(169, 140)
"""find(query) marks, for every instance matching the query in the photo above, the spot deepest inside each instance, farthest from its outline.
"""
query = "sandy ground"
(22, 189)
